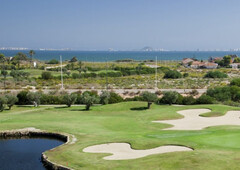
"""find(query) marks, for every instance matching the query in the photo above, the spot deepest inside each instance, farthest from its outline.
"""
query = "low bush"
(235, 82)
(172, 74)
(188, 100)
(46, 75)
(75, 75)
(205, 99)
(53, 61)
(215, 74)
(115, 98)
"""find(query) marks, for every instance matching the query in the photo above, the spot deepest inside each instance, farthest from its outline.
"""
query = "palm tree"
(31, 53)
(3, 72)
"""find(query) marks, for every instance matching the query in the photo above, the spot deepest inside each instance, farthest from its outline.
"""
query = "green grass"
(215, 147)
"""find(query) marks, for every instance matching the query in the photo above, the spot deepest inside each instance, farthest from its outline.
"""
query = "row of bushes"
(88, 97)
(226, 94)
(173, 74)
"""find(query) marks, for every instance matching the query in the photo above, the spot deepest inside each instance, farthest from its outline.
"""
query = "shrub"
(75, 75)
(104, 97)
(136, 98)
(169, 97)
(179, 99)
(188, 100)
(185, 75)
(158, 92)
(4, 73)
(205, 99)
(115, 98)
(51, 99)
(215, 74)
(19, 75)
(149, 98)
(220, 93)
(235, 82)
(22, 98)
(172, 74)
(194, 92)
(53, 61)
(46, 75)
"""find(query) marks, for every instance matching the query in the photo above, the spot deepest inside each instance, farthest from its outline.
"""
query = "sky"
(120, 24)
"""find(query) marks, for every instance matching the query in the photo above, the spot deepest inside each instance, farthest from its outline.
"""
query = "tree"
(149, 98)
(4, 73)
(2, 103)
(237, 60)
(104, 97)
(2, 58)
(11, 100)
(88, 100)
(80, 64)
(20, 57)
(22, 98)
(31, 53)
(74, 59)
(34, 98)
(46, 75)
(227, 60)
(69, 99)
(170, 97)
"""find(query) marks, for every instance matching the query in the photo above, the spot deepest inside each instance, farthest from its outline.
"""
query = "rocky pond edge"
(33, 132)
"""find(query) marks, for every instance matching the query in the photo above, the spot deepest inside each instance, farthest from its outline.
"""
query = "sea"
(103, 56)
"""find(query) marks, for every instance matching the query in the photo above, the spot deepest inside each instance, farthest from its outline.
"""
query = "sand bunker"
(192, 120)
(123, 151)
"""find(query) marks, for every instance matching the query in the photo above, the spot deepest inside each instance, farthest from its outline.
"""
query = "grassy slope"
(215, 147)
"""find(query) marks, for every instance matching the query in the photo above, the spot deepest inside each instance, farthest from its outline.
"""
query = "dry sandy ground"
(192, 120)
(123, 151)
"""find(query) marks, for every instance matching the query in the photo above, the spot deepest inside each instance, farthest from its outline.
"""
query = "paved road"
(119, 91)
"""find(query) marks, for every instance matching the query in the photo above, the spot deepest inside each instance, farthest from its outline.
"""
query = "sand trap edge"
(112, 154)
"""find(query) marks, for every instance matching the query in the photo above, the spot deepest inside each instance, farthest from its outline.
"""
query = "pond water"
(24, 154)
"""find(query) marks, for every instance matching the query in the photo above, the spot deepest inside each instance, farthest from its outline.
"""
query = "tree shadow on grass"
(60, 107)
(79, 110)
(29, 106)
(138, 108)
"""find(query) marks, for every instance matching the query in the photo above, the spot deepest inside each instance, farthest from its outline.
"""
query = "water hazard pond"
(25, 154)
